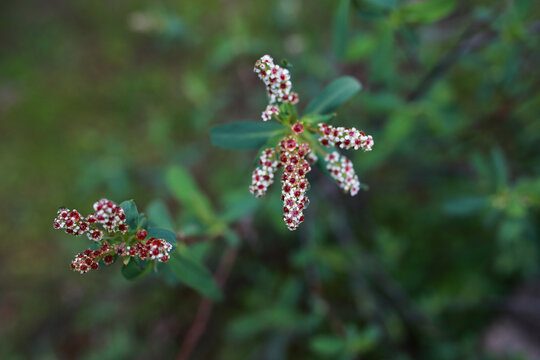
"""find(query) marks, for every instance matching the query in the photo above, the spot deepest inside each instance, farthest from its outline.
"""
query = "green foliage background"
(114, 98)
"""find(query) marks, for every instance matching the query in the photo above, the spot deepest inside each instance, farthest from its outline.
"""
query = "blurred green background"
(439, 259)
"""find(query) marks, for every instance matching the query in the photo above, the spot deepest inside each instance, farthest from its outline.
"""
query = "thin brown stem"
(205, 307)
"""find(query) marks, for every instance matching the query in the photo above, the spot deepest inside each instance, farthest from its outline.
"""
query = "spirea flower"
(263, 175)
(110, 215)
(156, 249)
(269, 112)
(342, 171)
(344, 138)
(107, 225)
(277, 80)
(294, 182)
(301, 140)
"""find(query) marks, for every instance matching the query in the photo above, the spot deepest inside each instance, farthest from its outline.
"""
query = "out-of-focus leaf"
(136, 269)
(159, 215)
(327, 345)
(360, 47)
(334, 95)
(359, 342)
(427, 11)
(164, 234)
(244, 135)
(500, 169)
(341, 27)
(383, 60)
(194, 275)
(238, 205)
(466, 205)
(381, 102)
(385, 4)
(132, 215)
(274, 318)
(183, 187)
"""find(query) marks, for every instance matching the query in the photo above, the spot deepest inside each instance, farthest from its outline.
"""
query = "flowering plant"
(118, 231)
(293, 143)
(145, 245)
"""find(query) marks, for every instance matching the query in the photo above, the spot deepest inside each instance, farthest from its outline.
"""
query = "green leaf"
(334, 95)
(194, 275)
(385, 4)
(136, 269)
(132, 214)
(244, 135)
(341, 28)
(238, 204)
(159, 215)
(164, 234)
(426, 12)
(327, 345)
(466, 205)
(383, 57)
(183, 187)
(500, 169)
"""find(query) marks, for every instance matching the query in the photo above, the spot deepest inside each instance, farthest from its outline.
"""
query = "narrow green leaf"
(334, 95)
(132, 214)
(341, 28)
(427, 11)
(466, 205)
(183, 187)
(164, 234)
(135, 270)
(244, 135)
(500, 169)
(194, 275)
(159, 215)
(327, 345)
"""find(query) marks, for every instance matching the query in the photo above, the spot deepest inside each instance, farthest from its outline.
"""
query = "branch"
(205, 307)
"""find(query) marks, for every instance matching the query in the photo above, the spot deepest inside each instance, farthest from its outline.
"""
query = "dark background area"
(439, 259)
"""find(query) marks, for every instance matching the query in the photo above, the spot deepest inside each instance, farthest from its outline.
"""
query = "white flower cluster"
(110, 215)
(342, 171)
(263, 175)
(107, 213)
(345, 138)
(156, 249)
(269, 111)
(294, 181)
(278, 83)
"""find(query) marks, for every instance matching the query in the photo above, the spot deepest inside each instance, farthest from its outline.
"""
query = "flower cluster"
(107, 214)
(294, 151)
(342, 171)
(155, 249)
(294, 182)
(110, 215)
(89, 259)
(277, 80)
(344, 138)
(269, 111)
(109, 219)
(263, 175)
